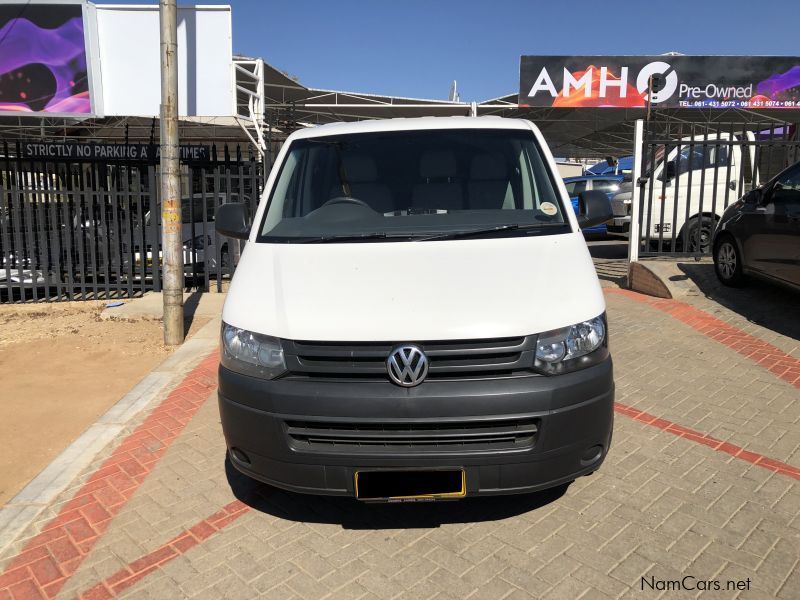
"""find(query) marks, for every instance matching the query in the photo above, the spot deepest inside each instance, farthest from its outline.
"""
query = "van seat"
(488, 182)
(439, 189)
(362, 175)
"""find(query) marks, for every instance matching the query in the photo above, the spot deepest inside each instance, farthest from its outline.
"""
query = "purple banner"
(43, 59)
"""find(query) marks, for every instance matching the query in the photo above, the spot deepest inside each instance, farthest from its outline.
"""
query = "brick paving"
(779, 363)
(702, 480)
(768, 311)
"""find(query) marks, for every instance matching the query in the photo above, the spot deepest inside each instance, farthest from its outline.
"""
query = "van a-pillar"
(171, 239)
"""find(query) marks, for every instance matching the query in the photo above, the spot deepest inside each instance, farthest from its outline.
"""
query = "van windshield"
(433, 184)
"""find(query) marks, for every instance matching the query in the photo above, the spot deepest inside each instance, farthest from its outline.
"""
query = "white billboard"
(130, 67)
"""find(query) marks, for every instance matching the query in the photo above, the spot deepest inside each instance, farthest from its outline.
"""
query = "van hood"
(414, 291)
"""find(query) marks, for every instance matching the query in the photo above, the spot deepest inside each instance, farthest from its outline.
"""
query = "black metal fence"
(691, 174)
(78, 230)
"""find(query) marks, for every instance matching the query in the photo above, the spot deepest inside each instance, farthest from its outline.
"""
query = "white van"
(700, 177)
(415, 315)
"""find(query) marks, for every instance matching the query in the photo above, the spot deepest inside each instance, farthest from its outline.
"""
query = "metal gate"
(689, 174)
(79, 230)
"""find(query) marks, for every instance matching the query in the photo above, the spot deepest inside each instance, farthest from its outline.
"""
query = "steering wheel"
(346, 200)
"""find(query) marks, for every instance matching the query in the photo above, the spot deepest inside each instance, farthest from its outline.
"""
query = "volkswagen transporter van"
(415, 315)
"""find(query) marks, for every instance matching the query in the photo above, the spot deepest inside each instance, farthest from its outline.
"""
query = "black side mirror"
(671, 170)
(755, 196)
(594, 208)
(232, 220)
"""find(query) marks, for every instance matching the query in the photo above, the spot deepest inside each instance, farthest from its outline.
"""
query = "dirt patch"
(62, 368)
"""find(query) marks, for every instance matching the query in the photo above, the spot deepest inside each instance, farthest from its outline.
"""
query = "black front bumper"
(623, 229)
(574, 413)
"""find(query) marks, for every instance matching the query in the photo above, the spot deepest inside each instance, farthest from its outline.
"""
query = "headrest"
(360, 168)
(437, 164)
(487, 166)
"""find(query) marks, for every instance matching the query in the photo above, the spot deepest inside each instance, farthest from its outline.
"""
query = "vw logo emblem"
(407, 366)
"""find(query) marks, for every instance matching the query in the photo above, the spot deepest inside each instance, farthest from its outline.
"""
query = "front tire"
(699, 233)
(728, 262)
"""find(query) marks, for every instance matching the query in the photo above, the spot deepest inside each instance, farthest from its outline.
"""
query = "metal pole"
(172, 244)
(634, 234)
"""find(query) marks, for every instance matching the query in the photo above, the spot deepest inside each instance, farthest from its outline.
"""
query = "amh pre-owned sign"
(753, 82)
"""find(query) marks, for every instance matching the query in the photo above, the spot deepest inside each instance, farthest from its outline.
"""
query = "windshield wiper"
(483, 231)
(380, 235)
(358, 237)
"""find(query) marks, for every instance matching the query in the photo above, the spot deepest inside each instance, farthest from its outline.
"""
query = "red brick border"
(180, 544)
(759, 460)
(777, 362)
(52, 556)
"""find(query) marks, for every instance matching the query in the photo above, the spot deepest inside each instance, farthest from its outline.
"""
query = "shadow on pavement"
(762, 303)
(610, 257)
(190, 305)
(607, 247)
(352, 514)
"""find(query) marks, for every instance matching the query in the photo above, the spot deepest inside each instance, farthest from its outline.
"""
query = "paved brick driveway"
(703, 480)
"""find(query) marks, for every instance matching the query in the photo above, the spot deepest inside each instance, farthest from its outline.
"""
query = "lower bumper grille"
(517, 433)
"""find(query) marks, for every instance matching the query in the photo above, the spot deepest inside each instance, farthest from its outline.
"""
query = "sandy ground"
(62, 367)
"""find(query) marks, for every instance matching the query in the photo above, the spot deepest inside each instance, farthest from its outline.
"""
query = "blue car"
(603, 183)
(625, 163)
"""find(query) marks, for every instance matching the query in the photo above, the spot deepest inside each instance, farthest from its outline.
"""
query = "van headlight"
(571, 348)
(251, 353)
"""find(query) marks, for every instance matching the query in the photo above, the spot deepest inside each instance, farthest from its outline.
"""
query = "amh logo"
(657, 68)
(597, 87)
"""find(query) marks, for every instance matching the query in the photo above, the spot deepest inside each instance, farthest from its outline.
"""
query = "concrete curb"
(23, 508)
(665, 278)
(642, 279)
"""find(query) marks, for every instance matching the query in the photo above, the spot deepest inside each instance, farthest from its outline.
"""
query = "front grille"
(434, 436)
(497, 357)
(619, 208)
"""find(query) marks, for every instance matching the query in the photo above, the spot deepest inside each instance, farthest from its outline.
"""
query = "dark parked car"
(760, 234)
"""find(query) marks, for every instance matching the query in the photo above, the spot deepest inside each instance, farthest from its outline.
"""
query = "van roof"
(412, 124)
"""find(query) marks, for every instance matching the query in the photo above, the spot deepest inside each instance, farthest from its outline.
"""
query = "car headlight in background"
(251, 353)
(571, 348)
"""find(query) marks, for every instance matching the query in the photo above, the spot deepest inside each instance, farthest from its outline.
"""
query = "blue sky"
(417, 47)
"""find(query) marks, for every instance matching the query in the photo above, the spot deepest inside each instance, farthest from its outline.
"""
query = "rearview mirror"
(594, 208)
(233, 220)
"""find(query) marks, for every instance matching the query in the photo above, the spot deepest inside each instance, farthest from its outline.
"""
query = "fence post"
(634, 234)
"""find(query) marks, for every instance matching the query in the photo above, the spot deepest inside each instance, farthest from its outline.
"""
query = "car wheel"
(699, 233)
(728, 262)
